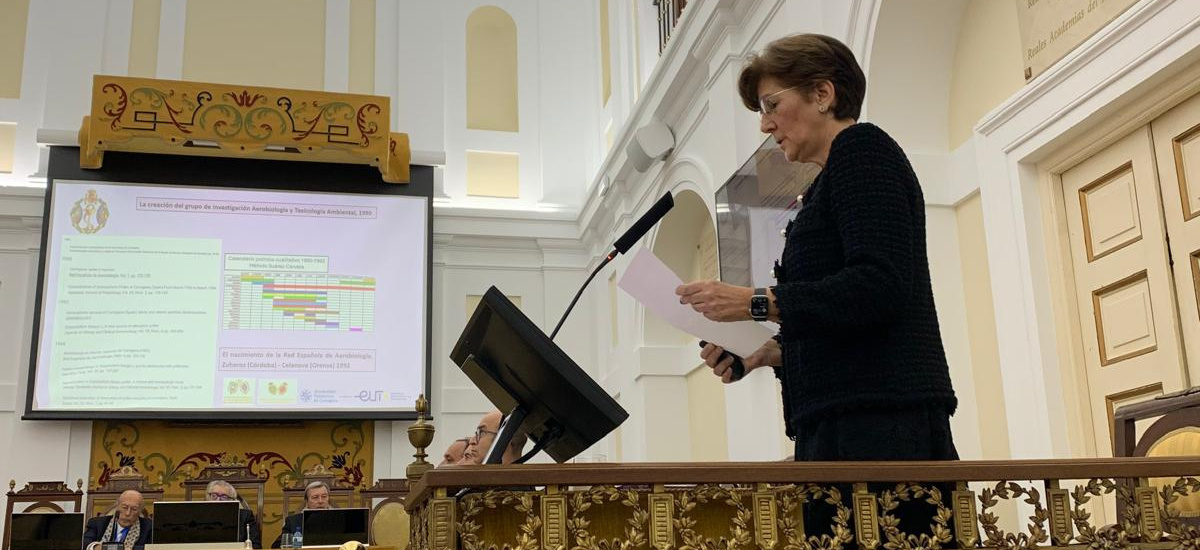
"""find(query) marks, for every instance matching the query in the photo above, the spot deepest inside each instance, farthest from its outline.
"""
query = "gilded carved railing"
(726, 506)
(197, 118)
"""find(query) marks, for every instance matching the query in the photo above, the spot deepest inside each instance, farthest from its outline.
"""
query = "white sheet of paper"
(653, 284)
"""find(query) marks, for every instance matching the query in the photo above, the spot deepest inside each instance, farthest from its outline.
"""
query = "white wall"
(32, 451)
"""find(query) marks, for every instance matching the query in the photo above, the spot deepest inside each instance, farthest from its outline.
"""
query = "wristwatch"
(759, 305)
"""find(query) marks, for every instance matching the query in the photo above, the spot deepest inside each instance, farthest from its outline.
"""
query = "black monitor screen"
(335, 526)
(48, 531)
(178, 522)
(515, 364)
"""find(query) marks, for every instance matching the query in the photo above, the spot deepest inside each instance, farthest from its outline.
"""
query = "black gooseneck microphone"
(622, 245)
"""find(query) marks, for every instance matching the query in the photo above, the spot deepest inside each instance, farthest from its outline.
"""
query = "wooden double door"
(1133, 222)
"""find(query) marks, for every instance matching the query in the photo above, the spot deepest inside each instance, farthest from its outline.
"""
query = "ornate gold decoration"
(966, 520)
(1016, 541)
(1108, 538)
(578, 525)
(554, 522)
(418, 529)
(866, 517)
(791, 521)
(195, 118)
(441, 524)
(766, 532)
(1059, 508)
(899, 540)
(420, 435)
(739, 529)
(472, 504)
(1147, 504)
(740, 516)
(1175, 530)
(662, 534)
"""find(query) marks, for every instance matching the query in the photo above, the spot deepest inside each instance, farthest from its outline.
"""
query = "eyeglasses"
(219, 496)
(479, 433)
(767, 104)
(130, 508)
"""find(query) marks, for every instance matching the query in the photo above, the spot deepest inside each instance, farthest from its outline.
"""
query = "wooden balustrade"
(764, 505)
(668, 15)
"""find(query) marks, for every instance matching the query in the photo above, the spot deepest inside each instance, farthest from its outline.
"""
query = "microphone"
(644, 223)
(631, 236)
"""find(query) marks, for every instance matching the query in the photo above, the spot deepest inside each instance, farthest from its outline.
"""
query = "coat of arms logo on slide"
(89, 214)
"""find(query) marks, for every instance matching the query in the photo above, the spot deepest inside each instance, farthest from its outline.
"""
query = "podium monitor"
(46, 531)
(336, 526)
(525, 374)
(196, 521)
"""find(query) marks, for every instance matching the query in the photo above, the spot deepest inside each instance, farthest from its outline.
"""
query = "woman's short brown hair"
(802, 61)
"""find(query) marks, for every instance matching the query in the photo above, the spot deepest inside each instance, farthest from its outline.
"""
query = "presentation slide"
(217, 299)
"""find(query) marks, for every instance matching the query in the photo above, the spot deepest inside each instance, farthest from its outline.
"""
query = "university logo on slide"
(90, 213)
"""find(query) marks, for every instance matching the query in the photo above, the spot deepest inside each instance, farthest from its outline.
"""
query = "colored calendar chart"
(298, 301)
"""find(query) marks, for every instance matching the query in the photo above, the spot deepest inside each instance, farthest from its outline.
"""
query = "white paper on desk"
(653, 284)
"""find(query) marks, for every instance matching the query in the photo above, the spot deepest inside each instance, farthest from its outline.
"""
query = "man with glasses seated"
(247, 525)
(485, 433)
(130, 528)
(316, 497)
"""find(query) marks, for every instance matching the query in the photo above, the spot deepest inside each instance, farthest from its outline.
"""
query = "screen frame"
(16, 518)
(185, 505)
(232, 173)
(304, 530)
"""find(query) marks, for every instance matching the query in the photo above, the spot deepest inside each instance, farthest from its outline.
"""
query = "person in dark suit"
(247, 524)
(316, 497)
(130, 528)
(859, 351)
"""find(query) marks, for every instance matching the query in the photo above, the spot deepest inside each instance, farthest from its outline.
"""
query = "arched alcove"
(912, 55)
(492, 70)
(681, 236)
(687, 242)
(937, 66)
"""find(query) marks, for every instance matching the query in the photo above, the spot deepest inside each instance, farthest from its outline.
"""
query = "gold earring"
(821, 108)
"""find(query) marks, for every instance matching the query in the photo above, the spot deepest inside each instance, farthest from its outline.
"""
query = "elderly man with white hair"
(247, 525)
(125, 525)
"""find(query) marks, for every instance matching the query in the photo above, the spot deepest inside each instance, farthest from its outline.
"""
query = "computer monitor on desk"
(526, 375)
(336, 526)
(46, 531)
(196, 522)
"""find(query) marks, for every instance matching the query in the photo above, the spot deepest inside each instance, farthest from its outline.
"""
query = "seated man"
(130, 528)
(455, 451)
(316, 497)
(485, 434)
(247, 526)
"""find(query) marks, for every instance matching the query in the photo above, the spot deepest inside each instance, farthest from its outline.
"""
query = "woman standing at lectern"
(859, 352)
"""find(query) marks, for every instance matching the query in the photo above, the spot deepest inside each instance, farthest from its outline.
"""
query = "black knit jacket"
(858, 326)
